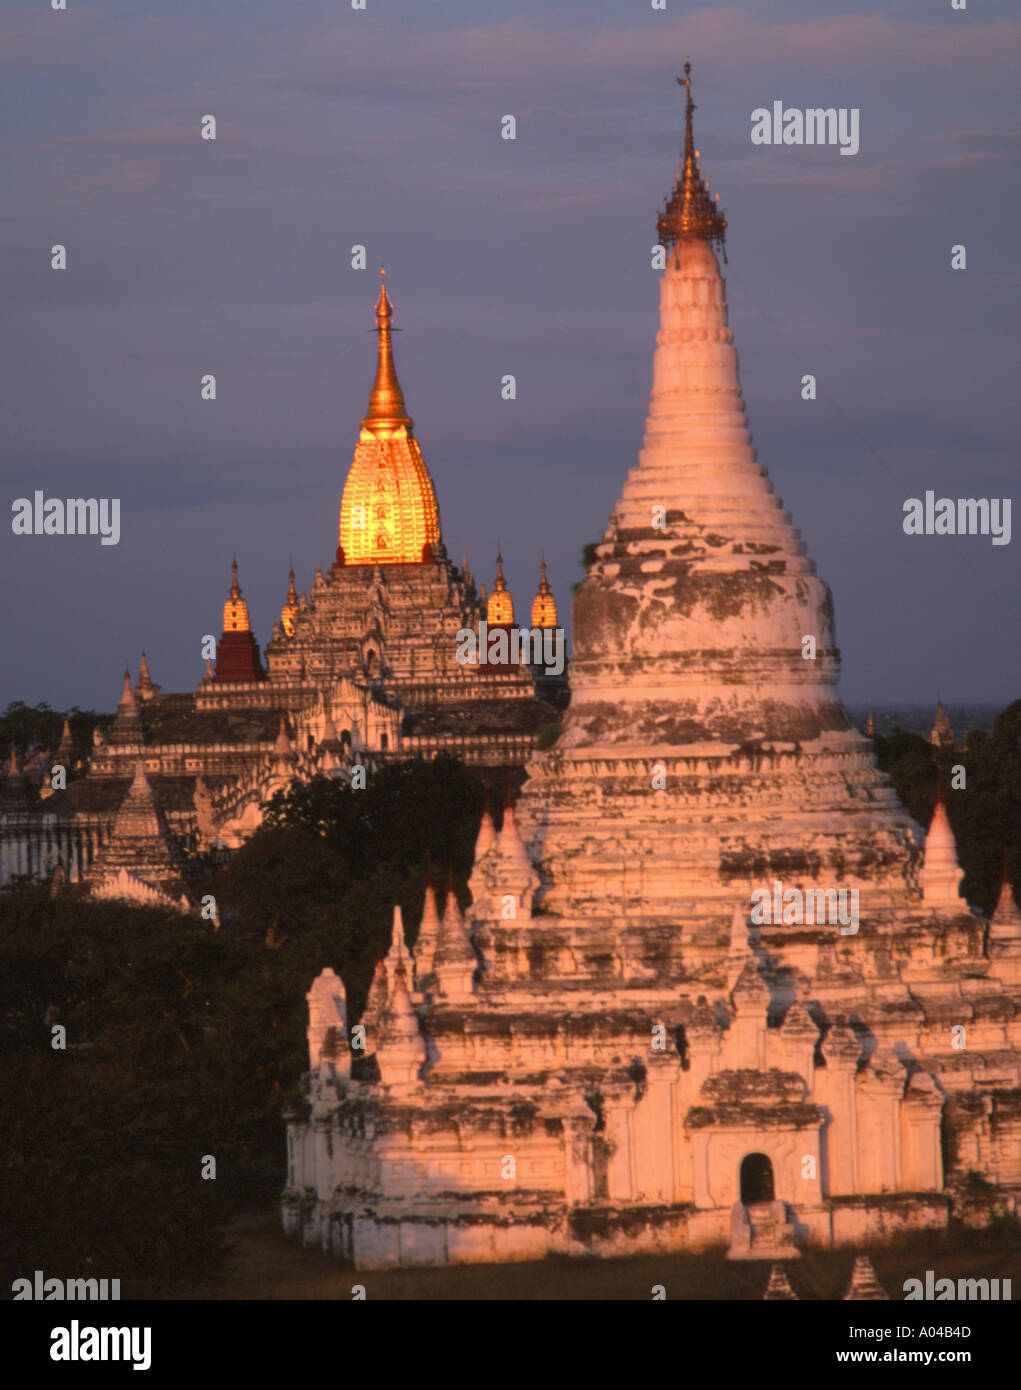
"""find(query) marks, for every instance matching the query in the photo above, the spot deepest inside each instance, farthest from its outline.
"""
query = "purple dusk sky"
(382, 127)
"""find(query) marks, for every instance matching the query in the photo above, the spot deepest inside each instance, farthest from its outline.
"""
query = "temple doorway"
(756, 1179)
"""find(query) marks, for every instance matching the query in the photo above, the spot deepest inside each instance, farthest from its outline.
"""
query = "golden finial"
(544, 605)
(500, 604)
(290, 605)
(691, 213)
(235, 610)
(387, 412)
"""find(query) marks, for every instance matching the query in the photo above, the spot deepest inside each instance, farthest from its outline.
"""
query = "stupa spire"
(500, 605)
(235, 610)
(290, 605)
(544, 605)
(428, 932)
(388, 513)
(1005, 923)
(486, 838)
(941, 870)
(692, 212)
(387, 412)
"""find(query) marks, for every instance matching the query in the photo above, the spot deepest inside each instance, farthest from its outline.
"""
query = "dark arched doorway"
(756, 1179)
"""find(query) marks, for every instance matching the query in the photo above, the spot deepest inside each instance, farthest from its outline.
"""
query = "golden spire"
(388, 511)
(387, 413)
(290, 606)
(691, 212)
(544, 605)
(235, 610)
(500, 607)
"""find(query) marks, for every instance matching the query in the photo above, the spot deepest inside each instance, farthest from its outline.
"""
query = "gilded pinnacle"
(387, 411)
(691, 213)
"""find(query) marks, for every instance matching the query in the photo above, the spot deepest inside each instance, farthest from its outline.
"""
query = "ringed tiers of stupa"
(618, 1049)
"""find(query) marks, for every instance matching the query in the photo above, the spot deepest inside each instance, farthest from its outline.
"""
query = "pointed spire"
(401, 1050)
(235, 610)
(428, 932)
(544, 605)
(144, 679)
(941, 735)
(940, 875)
(398, 946)
(500, 605)
(375, 1003)
(387, 412)
(327, 1023)
(454, 962)
(283, 749)
(509, 842)
(13, 790)
(1005, 923)
(691, 212)
(127, 700)
(66, 744)
(138, 816)
(290, 605)
(127, 724)
(486, 838)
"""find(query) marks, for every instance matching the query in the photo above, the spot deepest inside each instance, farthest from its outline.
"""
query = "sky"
(381, 127)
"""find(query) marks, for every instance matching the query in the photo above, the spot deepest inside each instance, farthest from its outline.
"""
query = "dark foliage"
(183, 1041)
(27, 725)
(985, 814)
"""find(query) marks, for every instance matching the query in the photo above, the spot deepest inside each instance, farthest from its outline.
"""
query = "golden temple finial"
(691, 213)
(387, 413)
(290, 607)
(544, 605)
(500, 604)
(235, 610)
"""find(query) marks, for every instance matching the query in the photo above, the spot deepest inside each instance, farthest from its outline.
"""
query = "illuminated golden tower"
(237, 652)
(388, 513)
(290, 607)
(235, 610)
(544, 605)
(500, 608)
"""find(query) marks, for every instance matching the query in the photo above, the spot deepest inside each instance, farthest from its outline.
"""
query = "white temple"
(610, 1055)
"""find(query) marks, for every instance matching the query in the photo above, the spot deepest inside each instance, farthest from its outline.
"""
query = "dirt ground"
(266, 1265)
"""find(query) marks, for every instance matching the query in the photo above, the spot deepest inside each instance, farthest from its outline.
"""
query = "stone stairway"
(761, 1231)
